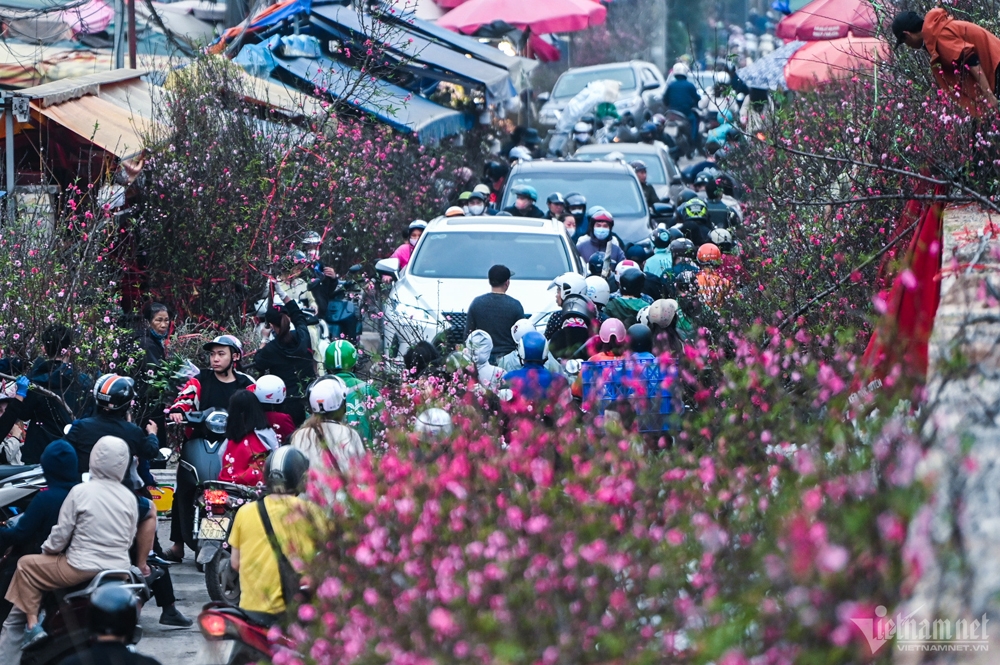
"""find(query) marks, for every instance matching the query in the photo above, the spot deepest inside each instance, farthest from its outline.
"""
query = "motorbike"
(218, 502)
(200, 462)
(66, 619)
(677, 132)
(18, 484)
(235, 637)
(343, 313)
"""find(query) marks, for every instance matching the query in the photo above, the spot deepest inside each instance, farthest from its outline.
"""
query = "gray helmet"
(285, 470)
(434, 423)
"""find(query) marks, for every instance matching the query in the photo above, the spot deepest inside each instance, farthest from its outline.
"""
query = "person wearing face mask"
(405, 251)
(600, 240)
(576, 204)
(569, 223)
(524, 204)
(581, 136)
(557, 206)
(477, 202)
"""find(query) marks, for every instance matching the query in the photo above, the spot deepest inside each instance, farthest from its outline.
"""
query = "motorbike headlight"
(415, 314)
(216, 422)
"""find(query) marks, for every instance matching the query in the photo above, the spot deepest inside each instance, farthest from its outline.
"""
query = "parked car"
(448, 269)
(642, 87)
(611, 184)
(661, 172)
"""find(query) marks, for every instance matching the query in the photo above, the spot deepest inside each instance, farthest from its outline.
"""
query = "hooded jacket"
(950, 44)
(29, 532)
(478, 348)
(293, 362)
(98, 518)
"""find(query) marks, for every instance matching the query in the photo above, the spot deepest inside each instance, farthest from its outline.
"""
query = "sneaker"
(34, 636)
(171, 616)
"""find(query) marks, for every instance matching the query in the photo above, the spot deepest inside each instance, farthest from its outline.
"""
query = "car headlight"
(415, 314)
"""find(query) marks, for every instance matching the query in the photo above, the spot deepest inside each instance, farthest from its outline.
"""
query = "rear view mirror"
(650, 86)
(388, 268)
(662, 210)
(544, 97)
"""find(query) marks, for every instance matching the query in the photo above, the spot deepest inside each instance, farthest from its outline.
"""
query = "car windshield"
(618, 193)
(654, 167)
(572, 82)
(468, 254)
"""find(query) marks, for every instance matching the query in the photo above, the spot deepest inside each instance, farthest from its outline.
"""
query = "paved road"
(176, 646)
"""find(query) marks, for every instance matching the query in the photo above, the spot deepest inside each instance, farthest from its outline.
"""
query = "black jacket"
(532, 211)
(85, 433)
(45, 416)
(108, 653)
(292, 363)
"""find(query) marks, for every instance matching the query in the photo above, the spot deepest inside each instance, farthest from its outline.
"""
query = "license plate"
(215, 652)
(213, 528)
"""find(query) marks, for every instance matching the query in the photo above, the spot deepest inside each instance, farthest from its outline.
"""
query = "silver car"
(448, 269)
(642, 85)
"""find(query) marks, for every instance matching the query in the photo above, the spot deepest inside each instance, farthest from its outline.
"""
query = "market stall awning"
(100, 122)
(817, 63)
(541, 16)
(419, 54)
(829, 19)
(389, 103)
(768, 73)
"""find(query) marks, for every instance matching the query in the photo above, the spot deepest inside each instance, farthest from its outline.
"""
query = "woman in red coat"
(249, 440)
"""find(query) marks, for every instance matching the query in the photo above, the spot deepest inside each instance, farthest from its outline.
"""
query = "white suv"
(448, 269)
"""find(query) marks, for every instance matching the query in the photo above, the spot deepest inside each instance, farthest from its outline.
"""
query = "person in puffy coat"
(249, 440)
(478, 348)
(96, 526)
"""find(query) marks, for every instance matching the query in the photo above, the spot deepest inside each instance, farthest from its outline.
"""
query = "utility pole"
(117, 52)
(132, 35)
(657, 17)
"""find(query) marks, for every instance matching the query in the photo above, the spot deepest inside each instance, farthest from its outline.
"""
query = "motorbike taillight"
(216, 497)
(212, 625)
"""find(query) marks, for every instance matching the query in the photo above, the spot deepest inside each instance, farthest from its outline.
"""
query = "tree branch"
(884, 197)
(44, 391)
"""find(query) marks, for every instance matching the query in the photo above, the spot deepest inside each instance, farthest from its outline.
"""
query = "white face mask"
(476, 209)
(581, 138)
(601, 233)
(413, 241)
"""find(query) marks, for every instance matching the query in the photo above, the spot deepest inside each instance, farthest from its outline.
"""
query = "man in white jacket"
(96, 527)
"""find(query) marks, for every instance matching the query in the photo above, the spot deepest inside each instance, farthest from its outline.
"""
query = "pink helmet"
(613, 328)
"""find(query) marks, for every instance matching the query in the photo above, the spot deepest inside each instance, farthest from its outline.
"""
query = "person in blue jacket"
(533, 381)
(60, 466)
(682, 96)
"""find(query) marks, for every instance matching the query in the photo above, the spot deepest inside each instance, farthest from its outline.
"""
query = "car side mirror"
(650, 86)
(662, 210)
(677, 180)
(388, 268)
(544, 97)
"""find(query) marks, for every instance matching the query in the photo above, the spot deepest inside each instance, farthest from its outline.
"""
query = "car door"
(650, 77)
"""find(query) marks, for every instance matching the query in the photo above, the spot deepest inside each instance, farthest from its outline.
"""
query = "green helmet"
(341, 356)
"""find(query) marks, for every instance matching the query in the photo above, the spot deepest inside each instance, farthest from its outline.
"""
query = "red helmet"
(709, 253)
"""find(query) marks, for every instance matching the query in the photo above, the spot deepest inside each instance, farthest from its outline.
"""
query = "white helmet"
(569, 283)
(435, 423)
(626, 264)
(270, 389)
(581, 128)
(520, 328)
(520, 153)
(327, 394)
(722, 78)
(598, 290)
(680, 69)
(720, 236)
(643, 316)
(661, 313)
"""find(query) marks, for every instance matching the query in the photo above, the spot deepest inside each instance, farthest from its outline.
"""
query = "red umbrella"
(542, 16)
(821, 62)
(828, 19)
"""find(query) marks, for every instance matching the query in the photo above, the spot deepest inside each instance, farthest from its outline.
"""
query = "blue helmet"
(526, 190)
(533, 349)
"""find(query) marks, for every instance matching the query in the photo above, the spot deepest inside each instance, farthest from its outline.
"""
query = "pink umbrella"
(820, 62)
(542, 16)
(448, 4)
(828, 19)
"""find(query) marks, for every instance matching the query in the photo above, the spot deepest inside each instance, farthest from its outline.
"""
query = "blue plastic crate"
(640, 383)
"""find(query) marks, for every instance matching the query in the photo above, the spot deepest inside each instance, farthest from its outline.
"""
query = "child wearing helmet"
(270, 392)
(364, 403)
(323, 437)
(712, 287)
(613, 338)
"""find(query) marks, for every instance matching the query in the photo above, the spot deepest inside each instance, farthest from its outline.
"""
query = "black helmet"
(114, 611)
(686, 195)
(495, 170)
(695, 209)
(578, 306)
(682, 248)
(596, 263)
(113, 392)
(556, 197)
(285, 470)
(706, 179)
(574, 200)
(647, 132)
(637, 164)
(640, 252)
(631, 282)
(640, 339)
(661, 237)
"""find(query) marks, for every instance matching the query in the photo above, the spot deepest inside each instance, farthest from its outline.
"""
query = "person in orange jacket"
(964, 56)
(712, 287)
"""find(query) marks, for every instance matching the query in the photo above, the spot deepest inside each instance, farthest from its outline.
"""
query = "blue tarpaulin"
(418, 53)
(389, 103)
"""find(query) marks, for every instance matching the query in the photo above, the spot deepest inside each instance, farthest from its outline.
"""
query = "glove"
(22, 386)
